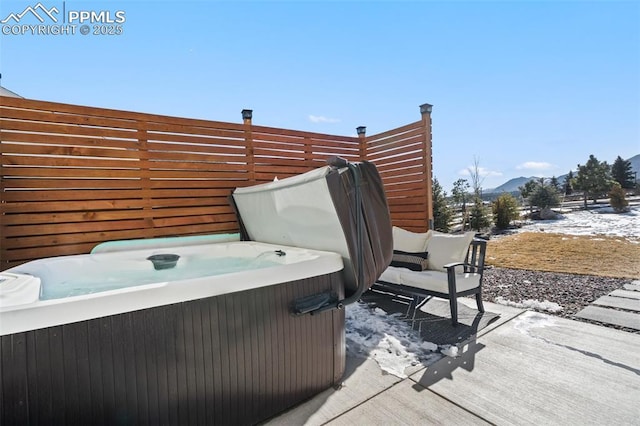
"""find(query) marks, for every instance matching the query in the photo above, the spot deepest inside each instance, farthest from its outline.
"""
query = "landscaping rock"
(548, 214)
(571, 291)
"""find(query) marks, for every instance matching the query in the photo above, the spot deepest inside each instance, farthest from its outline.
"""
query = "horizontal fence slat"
(401, 201)
(222, 210)
(406, 171)
(68, 118)
(415, 147)
(66, 129)
(383, 167)
(401, 159)
(30, 104)
(83, 205)
(410, 186)
(72, 228)
(263, 131)
(16, 257)
(397, 141)
(69, 162)
(406, 193)
(380, 138)
(49, 183)
(67, 144)
(67, 195)
(228, 131)
(69, 217)
(412, 225)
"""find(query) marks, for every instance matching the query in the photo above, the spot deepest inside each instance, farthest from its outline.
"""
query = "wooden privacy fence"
(73, 176)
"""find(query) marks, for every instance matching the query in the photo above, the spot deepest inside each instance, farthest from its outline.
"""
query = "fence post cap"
(426, 108)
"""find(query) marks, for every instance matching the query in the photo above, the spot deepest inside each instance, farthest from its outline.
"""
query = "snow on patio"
(531, 304)
(391, 342)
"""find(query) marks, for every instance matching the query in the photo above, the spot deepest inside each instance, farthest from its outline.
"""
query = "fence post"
(362, 139)
(145, 178)
(2, 208)
(425, 110)
(247, 115)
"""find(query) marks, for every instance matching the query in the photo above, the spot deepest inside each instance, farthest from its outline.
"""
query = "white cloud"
(535, 165)
(322, 119)
(483, 172)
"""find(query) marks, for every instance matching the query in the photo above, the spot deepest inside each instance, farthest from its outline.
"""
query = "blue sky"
(527, 88)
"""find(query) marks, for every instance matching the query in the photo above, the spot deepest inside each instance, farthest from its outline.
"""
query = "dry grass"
(587, 255)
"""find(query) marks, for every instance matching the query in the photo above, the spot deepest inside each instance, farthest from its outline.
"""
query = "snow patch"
(451, 351)
(532, 320)
(601, 221)
(391, 342)
(531, 304)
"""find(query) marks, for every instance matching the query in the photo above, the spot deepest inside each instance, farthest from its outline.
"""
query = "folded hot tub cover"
(317, 210)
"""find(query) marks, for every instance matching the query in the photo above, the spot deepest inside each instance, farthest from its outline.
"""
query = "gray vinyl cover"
(317, 210)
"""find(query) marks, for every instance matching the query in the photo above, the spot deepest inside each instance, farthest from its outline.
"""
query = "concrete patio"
(525, 368)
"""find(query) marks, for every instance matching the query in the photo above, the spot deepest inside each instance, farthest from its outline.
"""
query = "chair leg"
(479, 302)
(411, 307)
(453, 303)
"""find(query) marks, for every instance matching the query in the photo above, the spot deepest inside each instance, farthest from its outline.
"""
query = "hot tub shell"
(229, 353)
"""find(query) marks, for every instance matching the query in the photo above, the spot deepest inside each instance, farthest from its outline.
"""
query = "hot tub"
(224, 333)
(181, 345)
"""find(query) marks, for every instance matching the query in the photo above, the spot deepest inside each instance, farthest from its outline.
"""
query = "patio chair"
(435, 264)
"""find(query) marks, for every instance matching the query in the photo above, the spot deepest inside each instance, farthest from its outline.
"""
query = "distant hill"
(512, 185)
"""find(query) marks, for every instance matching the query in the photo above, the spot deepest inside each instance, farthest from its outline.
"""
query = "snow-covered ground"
(600, 221)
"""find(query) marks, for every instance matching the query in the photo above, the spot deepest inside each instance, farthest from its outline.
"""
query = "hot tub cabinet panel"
(235, 358)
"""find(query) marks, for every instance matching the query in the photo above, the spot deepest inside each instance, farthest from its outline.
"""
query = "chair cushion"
(447, 248)
(413, 261)
(429, 280)
(411, 242)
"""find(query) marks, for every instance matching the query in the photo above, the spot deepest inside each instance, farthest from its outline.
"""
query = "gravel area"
(523, 288)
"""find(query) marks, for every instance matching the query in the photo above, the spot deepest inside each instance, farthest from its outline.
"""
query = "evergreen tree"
(526, 190)
(505, 210)
(441, 211)
(555, 184)
(479, 217)
(568, 184)
(621, 172)
(460, 192)
(545, 197)
(618, 198)
(594, 178)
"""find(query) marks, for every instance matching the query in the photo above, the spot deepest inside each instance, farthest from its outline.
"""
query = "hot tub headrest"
(317, 210)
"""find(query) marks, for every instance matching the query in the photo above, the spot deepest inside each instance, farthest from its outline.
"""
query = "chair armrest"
(467, 267)
(453, 265)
